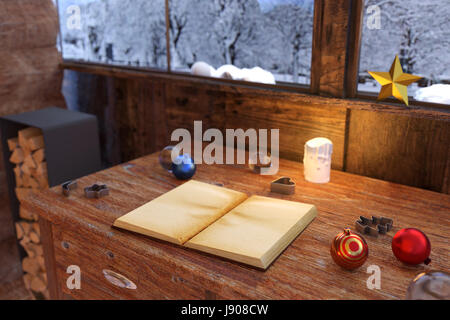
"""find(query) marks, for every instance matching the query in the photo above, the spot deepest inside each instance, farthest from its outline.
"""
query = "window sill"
(296, 94)
(127, 72)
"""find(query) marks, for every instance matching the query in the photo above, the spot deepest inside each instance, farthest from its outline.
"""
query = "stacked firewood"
(28, 156)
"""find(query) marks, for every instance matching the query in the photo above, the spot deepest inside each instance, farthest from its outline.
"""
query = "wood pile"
(28, 156)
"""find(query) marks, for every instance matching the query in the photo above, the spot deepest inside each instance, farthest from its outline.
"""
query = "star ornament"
(395, 82)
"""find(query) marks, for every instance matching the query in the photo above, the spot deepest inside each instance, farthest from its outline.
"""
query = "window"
(275, 35)
(118, 32)
(418, 31)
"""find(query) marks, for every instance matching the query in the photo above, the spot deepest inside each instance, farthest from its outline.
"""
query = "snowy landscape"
(275, 35)
(418, 31)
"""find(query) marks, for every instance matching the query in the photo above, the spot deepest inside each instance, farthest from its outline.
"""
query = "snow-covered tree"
(417, 30)
(295, 24)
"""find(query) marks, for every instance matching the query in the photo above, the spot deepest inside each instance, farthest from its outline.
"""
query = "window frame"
(337, 19)
(356, 21)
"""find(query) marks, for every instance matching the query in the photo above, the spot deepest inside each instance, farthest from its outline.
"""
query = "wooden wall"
(29, 79)
(389, 142)
(381, 140)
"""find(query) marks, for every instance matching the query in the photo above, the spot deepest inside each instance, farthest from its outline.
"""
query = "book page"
(181, 213)
(256, 231)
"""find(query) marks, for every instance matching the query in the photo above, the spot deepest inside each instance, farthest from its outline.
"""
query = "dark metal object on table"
(283, 185)
(69, 186)
(374, 226)
(96, 191)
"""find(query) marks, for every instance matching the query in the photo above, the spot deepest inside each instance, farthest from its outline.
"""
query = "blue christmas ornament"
(183, 167)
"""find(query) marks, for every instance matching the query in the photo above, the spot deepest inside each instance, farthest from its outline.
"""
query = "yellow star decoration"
(395, 82)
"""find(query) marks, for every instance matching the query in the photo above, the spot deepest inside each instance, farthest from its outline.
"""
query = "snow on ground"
(438, 93)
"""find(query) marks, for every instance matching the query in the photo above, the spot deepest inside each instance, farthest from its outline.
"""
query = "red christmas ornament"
(349, 250)
(411, 246)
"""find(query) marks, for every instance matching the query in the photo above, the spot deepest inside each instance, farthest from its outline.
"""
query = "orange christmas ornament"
(349, 250)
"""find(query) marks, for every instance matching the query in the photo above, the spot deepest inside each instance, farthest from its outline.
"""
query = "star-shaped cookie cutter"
(96, 191)
(374, 226)
(68, 186)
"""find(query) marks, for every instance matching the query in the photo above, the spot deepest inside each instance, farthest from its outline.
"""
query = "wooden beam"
(167, 11)
(353, 48)
(316, 64)
(49, 256)
(329, 53)
(403, 149)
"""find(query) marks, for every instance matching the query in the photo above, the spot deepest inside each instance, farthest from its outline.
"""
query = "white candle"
(317, 160)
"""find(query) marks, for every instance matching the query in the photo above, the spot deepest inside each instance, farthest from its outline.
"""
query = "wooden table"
(78, 232)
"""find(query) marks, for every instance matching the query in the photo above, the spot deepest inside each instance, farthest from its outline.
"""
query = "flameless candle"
(317, 160)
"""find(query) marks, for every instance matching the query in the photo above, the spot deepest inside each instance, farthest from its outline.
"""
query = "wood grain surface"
(143, 109)
(82, 235)
(407, 150)
(329, 50)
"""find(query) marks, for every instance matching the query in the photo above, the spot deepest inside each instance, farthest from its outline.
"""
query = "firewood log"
(36, 142)
(34, 237)
(36, 228)
(26, 179)
(30, 265)
(43, 182)
(25, 169)
(17, 156)
(25, 214)
(42, 169)
(33, 184)
(18, 176)
(13, 143)
(21, 193)
(41, 262)
(26, 134)
(25, 240)
(26, 227)
(39, 155)
(38, 284)
(29, 249)
(29, 162)
(27, 280)
(19, 231)
(39, 250)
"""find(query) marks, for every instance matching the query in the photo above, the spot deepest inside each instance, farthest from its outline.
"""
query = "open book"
(252, 230)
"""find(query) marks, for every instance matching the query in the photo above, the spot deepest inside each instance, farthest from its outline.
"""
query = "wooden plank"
(186, 103)
(49, 255)
(353, 47)
(316, 55)
(368, 102)
(330, 47)
(168, 102)
(139, 124)
(305, 268)
(297, 119)
(407, 150)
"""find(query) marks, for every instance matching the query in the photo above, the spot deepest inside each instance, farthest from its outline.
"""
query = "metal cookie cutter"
(96, 191)
(69, 186)
(283, 185)
(374, 226)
